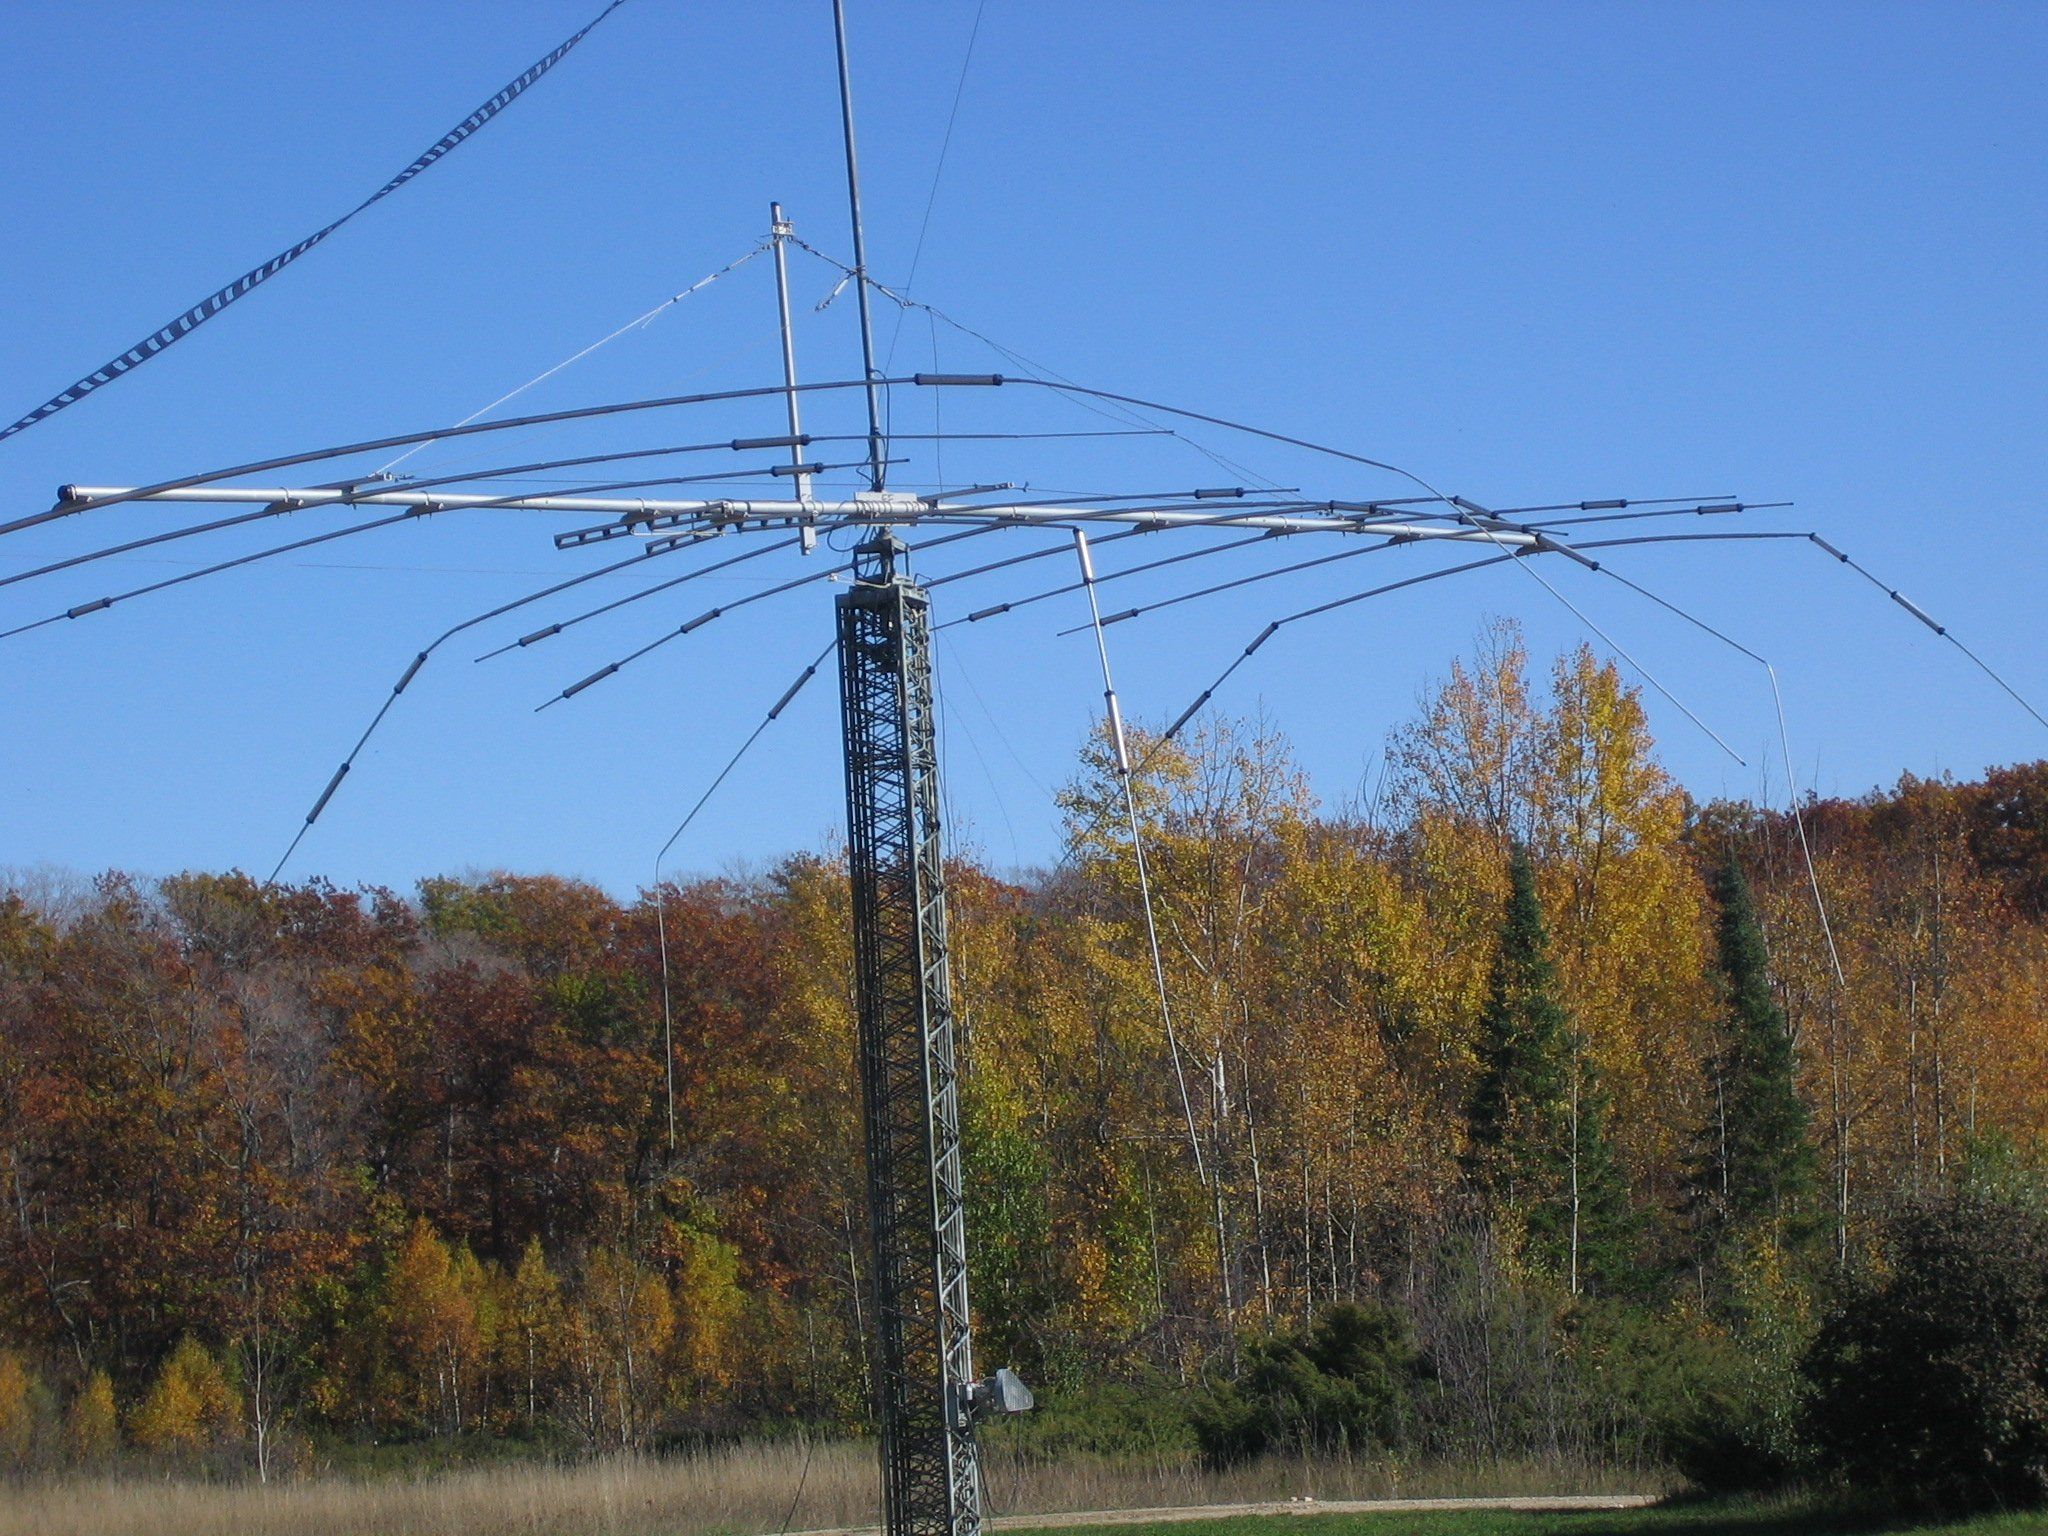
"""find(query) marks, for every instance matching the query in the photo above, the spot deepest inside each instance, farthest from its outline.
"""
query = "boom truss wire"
(190, 321)
(1049, 377)
(1477, 523)
(1458, 505)
(640, 323)
(73, 505)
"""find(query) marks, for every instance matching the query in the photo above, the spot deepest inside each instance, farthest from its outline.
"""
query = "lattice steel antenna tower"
(925, 1400)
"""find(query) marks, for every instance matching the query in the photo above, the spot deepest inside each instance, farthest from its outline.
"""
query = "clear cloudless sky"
(1536, 253)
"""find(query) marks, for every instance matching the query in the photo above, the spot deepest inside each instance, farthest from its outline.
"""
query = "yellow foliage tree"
(431, 1322)
(1491, 762)
(91, 1427)
(190, 1403)
(619, 1334)
(1624, 902)
(531, 1340)
(709, 1305)
(17, 1409)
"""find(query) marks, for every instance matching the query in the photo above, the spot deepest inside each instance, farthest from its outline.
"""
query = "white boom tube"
(732, 512)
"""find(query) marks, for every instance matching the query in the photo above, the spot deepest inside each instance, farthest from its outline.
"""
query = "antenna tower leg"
(924, 1357)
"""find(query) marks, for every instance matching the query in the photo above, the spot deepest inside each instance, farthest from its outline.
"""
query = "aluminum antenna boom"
(734, 511)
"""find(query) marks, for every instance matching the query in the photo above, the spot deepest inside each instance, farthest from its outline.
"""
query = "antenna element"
(860, 255)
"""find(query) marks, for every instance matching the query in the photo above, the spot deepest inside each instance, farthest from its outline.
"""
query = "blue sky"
(1534, 253)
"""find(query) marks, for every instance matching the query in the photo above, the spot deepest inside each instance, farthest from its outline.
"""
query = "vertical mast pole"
(927, 1401)
(860, 255)
(780, 229)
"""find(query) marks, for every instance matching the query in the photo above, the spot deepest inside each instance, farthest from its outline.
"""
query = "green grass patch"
(1678, 1518)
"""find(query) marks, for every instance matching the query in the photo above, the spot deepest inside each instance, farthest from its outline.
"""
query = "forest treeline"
(1569, 1079)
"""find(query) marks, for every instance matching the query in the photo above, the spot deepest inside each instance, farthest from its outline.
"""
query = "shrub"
(1930, 1379)
(1141, 1419)
(1746, 1434)
(1662, 1387)
(1345, 1383)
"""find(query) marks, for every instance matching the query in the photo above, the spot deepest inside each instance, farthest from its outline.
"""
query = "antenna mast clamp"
(888, 506)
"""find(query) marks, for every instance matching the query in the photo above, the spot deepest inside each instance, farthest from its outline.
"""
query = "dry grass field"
(752, 1489)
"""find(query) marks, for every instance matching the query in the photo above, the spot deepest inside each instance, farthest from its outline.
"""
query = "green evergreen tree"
(1518, 1116)
(1759, 1161)
(1536, 1140)
(1604, 1254)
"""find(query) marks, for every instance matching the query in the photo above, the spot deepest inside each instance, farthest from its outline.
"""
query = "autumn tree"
(431, 1322)
(619, 1334)
(1572, 772)
(1624, 904)
(531, 1342)
(190, 1404)
(708, 1303)
(2007, 820)
(1349, 1147)
(19, 1395)
(92, 1429)
(408, 1164)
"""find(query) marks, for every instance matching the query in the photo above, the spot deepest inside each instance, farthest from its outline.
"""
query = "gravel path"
(1532, 1502)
